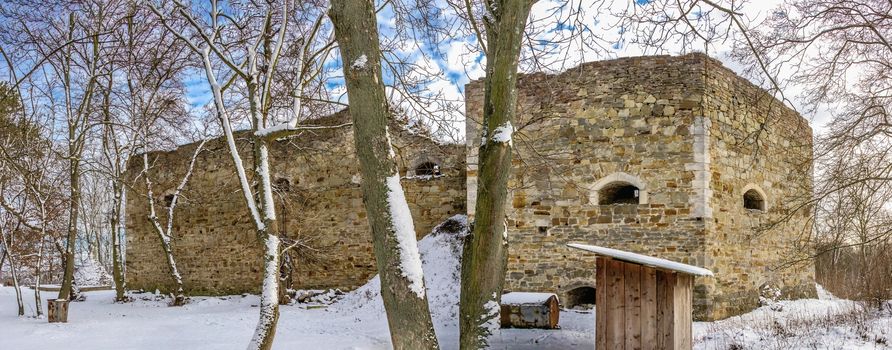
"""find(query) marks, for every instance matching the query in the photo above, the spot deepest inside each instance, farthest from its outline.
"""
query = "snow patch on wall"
(404, 232)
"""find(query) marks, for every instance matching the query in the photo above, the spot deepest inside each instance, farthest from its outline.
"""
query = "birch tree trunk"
(117, 268)
(166, 233)
(393, 233)
(12, 271)
(38, 304)
(484, 258)
(163, 237)
(268, 232)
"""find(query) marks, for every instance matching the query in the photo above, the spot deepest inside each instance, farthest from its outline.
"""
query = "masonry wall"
(319, 201)
(755, 142)
(630, 116)
(650, 121)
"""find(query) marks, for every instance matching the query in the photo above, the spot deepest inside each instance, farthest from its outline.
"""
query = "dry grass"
(842, 324)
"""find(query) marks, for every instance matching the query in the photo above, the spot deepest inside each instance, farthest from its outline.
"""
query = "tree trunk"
(38, 270)
(179, 298)
(117, 270)
(65, 292)
(393, 234)
(265, 331)
(12, 271)
(2, 261)
(484, 257)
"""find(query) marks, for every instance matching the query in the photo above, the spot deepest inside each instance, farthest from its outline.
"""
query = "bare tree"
(9, 227)
(165, 233)
(393, 233)
(248, 41)
(29, 185)
(69, 47)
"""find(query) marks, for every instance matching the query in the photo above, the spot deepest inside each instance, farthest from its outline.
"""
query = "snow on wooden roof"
(526, 298)
(643, 259)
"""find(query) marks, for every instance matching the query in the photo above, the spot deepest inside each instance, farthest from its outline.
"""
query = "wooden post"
(57, 310)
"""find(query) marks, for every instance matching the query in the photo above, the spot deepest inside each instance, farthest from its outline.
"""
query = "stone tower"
(676, 157)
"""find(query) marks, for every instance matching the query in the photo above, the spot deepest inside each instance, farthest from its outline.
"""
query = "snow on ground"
(824, 323)
(88, 272)
(358, 321)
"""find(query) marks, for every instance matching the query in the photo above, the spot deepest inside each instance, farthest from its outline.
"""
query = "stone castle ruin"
(319, 202)
(675, 157)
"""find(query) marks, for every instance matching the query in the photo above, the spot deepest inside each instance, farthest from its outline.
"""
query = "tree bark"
(73, 210)
(267, 234)
(37, 302)
(396, 251)
(2, 260)
(117, 268)
(12, 271)
(484, 257)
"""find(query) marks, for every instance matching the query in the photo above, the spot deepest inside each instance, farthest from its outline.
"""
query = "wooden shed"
(642, 302)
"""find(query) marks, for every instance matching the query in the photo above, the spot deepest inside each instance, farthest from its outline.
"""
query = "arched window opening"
(753, 200)
(582, 297)
(618, 193)
(427, 169)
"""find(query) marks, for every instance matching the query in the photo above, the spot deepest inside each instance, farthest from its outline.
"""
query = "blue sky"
(458, 60)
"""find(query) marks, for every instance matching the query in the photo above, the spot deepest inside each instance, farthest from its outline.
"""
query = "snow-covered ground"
(357, 320)
(823, 323)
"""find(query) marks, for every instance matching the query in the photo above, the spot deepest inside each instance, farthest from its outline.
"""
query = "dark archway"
(580, 297)
(753, 200)
(618, 193)
(427, 169)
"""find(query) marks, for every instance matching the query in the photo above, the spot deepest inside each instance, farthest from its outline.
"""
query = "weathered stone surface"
(693, 135)
(316, 176)
(689, 133)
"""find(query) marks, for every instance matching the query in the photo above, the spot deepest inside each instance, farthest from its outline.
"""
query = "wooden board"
(683, 311)
(665, 310)
(616, 301)
(648, 308)
(601, 302)
(632, 306)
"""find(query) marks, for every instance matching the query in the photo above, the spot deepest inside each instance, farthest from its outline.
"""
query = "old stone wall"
(639, 121)
(319, 202)
(755, 143)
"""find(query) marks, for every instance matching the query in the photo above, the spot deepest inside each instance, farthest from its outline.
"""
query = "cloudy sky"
(457, 60)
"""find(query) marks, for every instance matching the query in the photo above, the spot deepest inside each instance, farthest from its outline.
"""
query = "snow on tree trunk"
(117, 264)
(264, 333)
(393, 235)
(37, 302)
(485, 253)
(166, 233)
